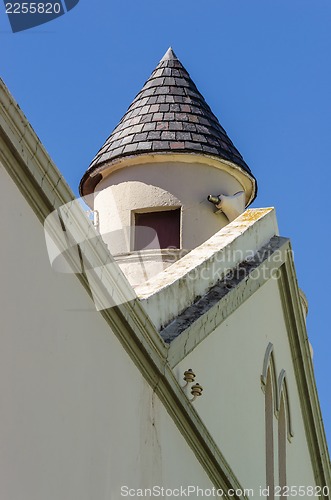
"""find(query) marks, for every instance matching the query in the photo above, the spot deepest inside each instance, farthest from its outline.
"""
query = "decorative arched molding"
(269, 366)
(283, 393)
(266, 362)
(276, 405)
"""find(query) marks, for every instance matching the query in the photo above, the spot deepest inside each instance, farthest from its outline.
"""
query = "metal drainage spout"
(213, 199)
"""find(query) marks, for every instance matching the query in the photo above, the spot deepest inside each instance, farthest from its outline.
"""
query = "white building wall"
(78, 421)
(228, 364)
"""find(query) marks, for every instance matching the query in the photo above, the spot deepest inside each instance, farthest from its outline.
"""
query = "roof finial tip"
(169, 55)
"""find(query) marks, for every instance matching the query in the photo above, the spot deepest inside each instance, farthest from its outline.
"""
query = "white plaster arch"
(269, 366)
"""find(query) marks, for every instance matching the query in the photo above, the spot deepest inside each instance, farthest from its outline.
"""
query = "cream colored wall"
(161, 185)
(77, 418)
(228, 364)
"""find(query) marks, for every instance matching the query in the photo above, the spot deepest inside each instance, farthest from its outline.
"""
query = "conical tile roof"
(168, 115)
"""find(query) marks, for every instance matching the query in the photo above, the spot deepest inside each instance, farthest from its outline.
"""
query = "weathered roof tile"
(171, 136)
(162, 126)
(175, 125)
(183, 136)
(141, 137)
(164, 107)
(149, 126)
(169, 116)
(161, 99)
(177, 145)
(191, 127)
(160, 145)
(144, 145)
(147, 118)
(130, 147)
(154, 134)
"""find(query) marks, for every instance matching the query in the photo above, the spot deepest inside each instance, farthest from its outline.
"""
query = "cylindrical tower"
(151, 179)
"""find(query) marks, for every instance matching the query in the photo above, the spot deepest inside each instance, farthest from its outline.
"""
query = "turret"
(151, 180)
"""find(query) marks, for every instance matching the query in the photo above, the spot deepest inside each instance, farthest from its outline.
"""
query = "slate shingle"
(168, 114)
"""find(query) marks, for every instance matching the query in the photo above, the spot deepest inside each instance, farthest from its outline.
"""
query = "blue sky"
(264, 67)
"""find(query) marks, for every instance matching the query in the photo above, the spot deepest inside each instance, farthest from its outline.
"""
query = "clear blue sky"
(264, 67)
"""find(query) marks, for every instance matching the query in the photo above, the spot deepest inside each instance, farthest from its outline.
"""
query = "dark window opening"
(157, 229)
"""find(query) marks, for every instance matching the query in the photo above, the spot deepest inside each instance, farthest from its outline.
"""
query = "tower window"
(157, 229)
